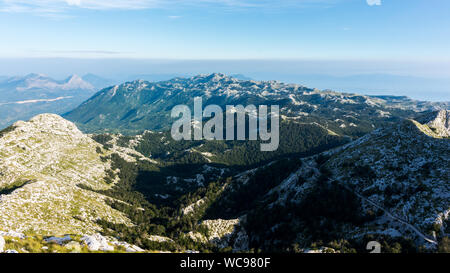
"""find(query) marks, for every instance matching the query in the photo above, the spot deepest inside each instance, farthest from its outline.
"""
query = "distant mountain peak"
(28, 77)
(76, 82)
(213, 77)
(35, 75)
(241, 77)
(216, 76)
(74, 77)
(40, 81)
(22, 97)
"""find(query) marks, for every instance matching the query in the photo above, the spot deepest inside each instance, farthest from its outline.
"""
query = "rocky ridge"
(141, 105)
(42, 164)
(401, 171)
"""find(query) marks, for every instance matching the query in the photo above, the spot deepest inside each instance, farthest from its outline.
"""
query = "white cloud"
(73, 2)
(57, 6)
(374, 2)
(61, 6)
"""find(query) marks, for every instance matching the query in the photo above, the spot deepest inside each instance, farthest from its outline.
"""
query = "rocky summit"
(43, 162)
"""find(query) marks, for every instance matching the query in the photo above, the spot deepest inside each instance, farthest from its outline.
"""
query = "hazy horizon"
(364, 77)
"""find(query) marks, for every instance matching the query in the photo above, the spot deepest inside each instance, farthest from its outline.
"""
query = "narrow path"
(423, 236)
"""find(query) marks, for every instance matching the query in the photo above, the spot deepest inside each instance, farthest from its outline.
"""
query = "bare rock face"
(97, 242)
(43, 162)
(441, 123)
(224, 233)
(438, 122)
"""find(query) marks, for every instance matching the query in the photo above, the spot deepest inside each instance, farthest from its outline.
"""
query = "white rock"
(97, 242)
(74, 246)
(91, 243)
(128, 247)
(13, 234)
(224, 233)
(159, 239)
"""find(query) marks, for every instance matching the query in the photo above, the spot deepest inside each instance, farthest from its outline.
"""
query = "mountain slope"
(42, 163)
(393, 184)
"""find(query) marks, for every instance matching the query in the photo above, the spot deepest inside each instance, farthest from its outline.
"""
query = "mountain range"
(142, 105)
(350, 169)
(22, 97)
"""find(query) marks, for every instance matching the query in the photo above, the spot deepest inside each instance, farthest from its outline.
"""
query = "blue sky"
(227, 29)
